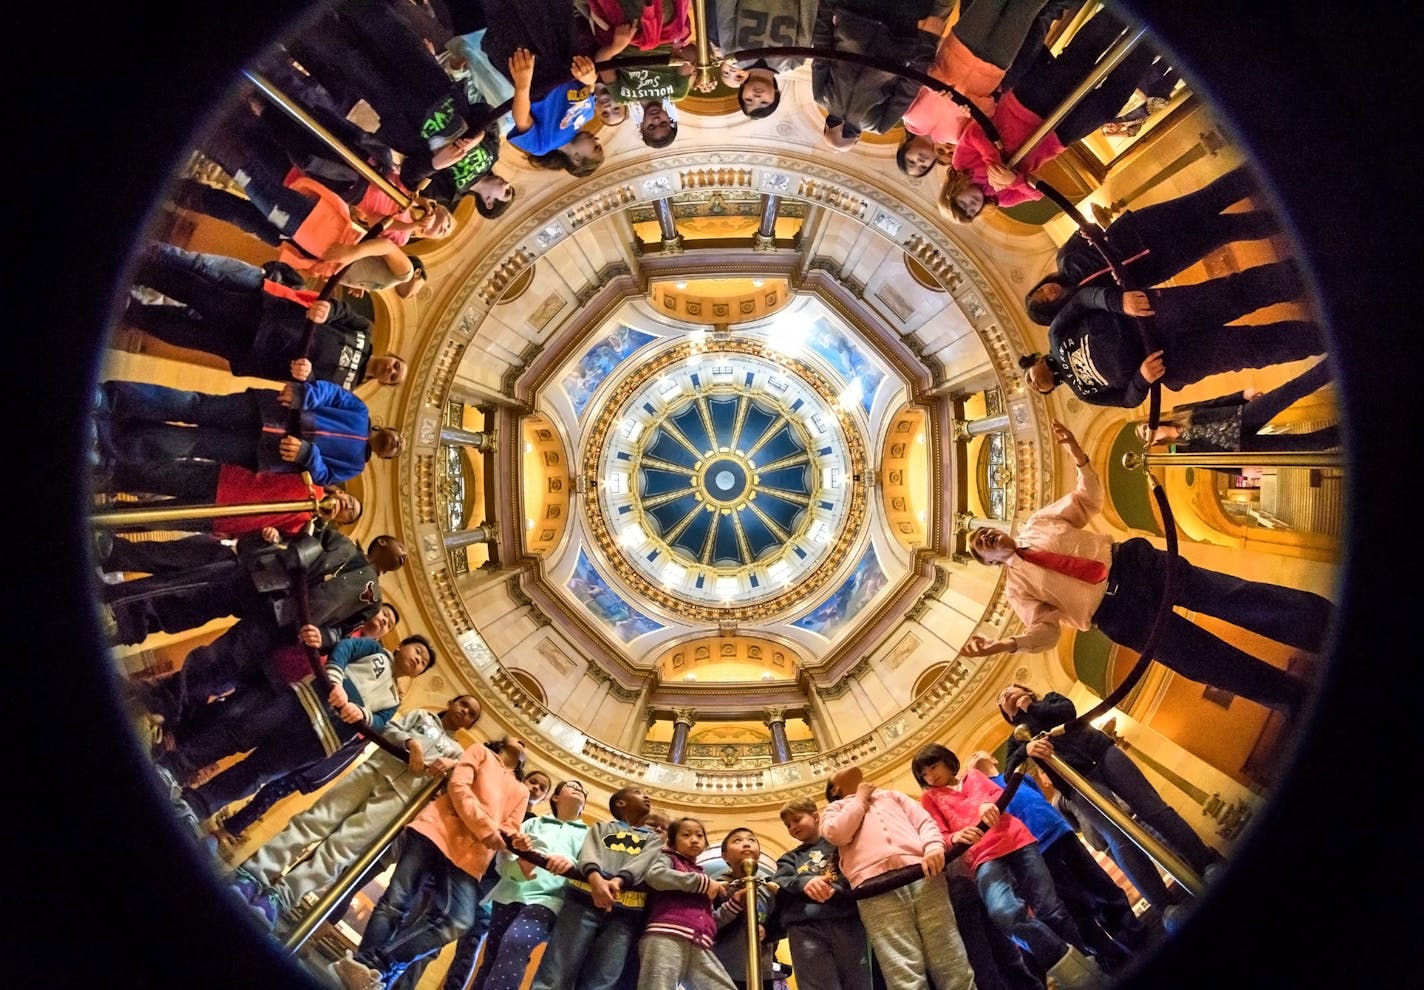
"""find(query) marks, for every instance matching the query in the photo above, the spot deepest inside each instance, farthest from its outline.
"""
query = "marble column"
(481, 440)
(683, 721)
(667, 225)
(964, 429)
(780, 746)
(484, 533)
(765, 239)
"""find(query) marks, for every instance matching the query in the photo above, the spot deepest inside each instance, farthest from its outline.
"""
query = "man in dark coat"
(256, 323)
(341, 586)
(262, 587)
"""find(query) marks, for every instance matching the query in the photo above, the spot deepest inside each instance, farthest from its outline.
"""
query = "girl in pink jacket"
(978, 175)
(911, 926)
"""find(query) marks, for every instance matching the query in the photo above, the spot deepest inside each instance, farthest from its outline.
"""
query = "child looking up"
(739, 847)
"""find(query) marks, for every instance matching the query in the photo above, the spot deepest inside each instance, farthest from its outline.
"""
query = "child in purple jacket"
(677, 943)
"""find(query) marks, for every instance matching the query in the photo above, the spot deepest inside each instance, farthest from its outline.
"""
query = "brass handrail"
(1233, 459)
(749, 882)
(355, 874)
(1169, 861)
(165, 512)
(150, 515)
(704, 44)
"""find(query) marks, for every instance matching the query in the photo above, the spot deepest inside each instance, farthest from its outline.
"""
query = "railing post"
(1169, 860)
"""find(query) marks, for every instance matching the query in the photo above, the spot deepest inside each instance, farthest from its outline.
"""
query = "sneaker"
(356, 976)
(267, 906)
(1115, 129)
(109, 623)
(147, 296)
(175, 789)
(245, 882)
(288, 921)
(1174, 917)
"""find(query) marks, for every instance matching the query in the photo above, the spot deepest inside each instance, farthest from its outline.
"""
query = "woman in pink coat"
(973, 57)
(978, 175)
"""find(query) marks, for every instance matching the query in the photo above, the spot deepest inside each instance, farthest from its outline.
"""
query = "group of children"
(875, 893)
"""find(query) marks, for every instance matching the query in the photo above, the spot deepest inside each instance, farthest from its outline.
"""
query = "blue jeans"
(1116, 771)
(1135, 864)
(221, 300)
(226, 428)
(398, 933)
(149, 403)
(588, 948)
(467, 950)
(1013, 883)
(167, 264)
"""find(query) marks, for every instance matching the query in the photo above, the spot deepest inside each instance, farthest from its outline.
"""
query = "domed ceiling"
(728, 476)
(750, 433)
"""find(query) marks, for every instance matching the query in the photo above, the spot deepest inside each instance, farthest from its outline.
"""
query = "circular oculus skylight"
(726, 481)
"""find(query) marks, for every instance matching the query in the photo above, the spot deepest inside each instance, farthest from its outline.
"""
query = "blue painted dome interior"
(750, 464)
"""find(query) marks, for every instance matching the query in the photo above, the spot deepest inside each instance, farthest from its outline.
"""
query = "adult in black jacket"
(340, 579)
(1092, 753)
(257, 324)
(1098, 351)
(259, 586)
(1156, 242)
(857, 98)
(383, 53)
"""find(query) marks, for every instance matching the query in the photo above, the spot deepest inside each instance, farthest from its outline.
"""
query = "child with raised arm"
(912, 927)
(828, 947)
(1008, 868)
(677, 944)
(547, 130)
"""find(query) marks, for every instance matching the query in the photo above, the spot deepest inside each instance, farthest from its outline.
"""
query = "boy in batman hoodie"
(601, 921)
